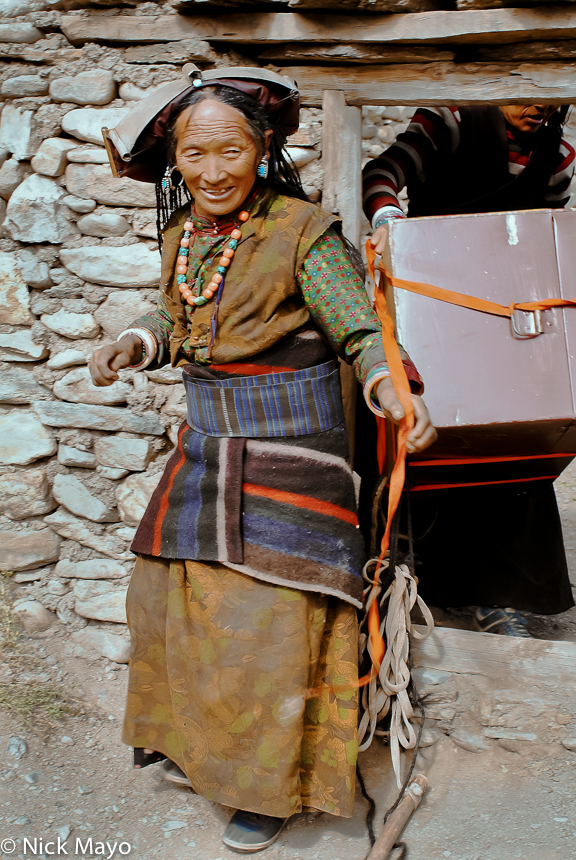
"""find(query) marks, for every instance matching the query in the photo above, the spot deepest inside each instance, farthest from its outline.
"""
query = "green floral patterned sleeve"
(338, 303)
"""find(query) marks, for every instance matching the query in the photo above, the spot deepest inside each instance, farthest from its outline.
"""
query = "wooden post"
(342, 164)
(393, 828)
(342, 161)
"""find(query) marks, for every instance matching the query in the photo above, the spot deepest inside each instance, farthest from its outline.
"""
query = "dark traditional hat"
(135, 145)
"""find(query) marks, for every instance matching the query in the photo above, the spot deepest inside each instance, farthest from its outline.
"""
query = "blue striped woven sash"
(294, 403)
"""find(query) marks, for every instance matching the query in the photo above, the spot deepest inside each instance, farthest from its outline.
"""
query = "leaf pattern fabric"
(247, 686)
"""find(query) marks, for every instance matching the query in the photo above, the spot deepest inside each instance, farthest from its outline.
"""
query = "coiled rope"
(387, 691)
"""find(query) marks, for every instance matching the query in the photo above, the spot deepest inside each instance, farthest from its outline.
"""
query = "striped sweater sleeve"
(434, 130)
(559, 187)
(430, 131)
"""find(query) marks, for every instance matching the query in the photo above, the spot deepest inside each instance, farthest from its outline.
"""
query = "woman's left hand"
(423, 433)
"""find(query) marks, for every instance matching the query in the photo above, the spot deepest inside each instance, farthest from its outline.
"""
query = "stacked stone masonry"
(78, 262)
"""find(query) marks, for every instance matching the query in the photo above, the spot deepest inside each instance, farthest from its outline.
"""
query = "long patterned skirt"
(247, 686)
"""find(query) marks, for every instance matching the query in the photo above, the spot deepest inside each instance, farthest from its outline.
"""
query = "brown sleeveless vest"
(261, 302)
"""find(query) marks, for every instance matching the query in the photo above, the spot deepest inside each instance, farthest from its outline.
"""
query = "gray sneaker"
(504, 621)
(250, 831)
(175, 775)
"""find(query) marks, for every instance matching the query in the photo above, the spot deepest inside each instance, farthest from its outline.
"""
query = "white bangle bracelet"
(386, 214)
(149, 345)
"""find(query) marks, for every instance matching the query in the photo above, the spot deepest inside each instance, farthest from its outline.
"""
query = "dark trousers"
(496, 545)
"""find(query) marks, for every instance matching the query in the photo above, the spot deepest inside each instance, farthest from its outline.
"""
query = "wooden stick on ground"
(399, 819)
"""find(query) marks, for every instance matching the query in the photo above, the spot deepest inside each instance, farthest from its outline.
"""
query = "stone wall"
(78, 262)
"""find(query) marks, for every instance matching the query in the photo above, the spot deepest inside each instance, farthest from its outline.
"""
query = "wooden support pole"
(399, 819)
(342, 163)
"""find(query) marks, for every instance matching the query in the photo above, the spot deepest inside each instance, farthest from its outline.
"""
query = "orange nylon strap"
(403, 392)
(472, 302)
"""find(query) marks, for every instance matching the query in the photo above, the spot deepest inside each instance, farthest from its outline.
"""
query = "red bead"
(224, 261)
(228, 252)
(188, 225)
(243, 216)
(187, 294)
(182, 261)
(217, 278)
(181, 270)
(190, 300)
(236, 233)
(182, 288)
(207, 293)
(184, 243)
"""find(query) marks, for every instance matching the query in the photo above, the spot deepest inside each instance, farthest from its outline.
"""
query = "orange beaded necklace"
(216, 284)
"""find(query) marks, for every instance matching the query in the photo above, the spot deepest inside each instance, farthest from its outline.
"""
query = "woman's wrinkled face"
(527, 118)
(217, 156)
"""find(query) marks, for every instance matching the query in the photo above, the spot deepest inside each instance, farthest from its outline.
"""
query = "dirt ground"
(504, 793)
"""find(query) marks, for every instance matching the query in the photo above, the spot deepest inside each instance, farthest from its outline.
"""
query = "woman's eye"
(232, 151)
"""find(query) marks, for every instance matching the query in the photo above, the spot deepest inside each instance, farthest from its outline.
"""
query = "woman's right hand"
(379, 239)
(107, 360)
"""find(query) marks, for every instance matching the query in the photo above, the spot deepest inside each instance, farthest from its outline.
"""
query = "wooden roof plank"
(439, 83)
(369, 6)
(191, 6)
(562, 50)
(491, 26)
(499, 4)
(355, 53)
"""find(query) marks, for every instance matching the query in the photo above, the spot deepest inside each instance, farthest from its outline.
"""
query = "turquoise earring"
(262, 169)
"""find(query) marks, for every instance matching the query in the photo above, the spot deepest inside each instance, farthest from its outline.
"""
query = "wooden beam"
(470, 653)
(492, 26)
(363, 5)
(563, 50)
(186, 51)
(128, 29)
(355, 53)
(188, 6)
(367, 5)
(191, 6)
(439, 83)
(499, 4)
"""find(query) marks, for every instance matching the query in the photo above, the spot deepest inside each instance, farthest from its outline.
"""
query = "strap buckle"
(526, 324)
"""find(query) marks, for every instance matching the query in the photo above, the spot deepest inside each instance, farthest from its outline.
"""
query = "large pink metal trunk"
(489, 392)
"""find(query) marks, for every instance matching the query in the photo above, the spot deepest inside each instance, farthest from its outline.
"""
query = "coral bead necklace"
(217, 282)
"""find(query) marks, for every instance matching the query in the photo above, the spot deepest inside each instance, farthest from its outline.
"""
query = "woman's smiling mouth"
(217, 192)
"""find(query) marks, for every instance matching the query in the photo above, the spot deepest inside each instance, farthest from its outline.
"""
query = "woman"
(242, 606)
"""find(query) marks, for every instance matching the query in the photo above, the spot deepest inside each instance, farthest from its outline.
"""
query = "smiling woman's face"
(217, 156)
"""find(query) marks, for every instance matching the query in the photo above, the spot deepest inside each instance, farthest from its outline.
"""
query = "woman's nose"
(213, 169)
